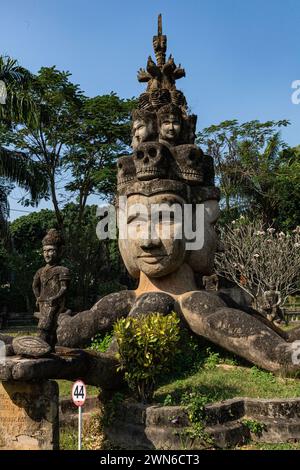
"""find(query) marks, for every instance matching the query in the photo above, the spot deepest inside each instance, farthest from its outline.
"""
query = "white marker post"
(78, 397)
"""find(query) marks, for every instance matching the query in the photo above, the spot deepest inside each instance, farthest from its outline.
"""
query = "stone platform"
(139, 426)
(97, 369)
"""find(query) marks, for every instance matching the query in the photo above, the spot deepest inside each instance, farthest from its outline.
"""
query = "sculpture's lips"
(151, 259)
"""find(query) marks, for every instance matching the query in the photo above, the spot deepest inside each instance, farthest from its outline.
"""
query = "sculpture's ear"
(202, 260)
(212, 211)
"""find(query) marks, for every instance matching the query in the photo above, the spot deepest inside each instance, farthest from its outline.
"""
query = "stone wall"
(29, 416)
(226, 424)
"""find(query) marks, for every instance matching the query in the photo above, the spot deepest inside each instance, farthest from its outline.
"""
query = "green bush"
(147, 346)
(101, 343)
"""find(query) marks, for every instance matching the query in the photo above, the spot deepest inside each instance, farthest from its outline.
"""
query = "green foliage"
(212, 360)
(188, 358)
(147, 346)
(168, 400)
(102, 134)
(257, 172)
(254, 426)
(95, 265)
(262, 375)
(110, 411)
(101, 343)
(195, 405)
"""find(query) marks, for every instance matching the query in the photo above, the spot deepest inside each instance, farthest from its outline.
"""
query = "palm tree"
(15, 167)
(17, 79)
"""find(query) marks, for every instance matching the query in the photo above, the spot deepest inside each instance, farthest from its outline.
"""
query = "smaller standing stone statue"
(211, 283)
(271, 304)
(50, 285)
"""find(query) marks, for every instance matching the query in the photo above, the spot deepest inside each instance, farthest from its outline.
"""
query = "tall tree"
(102, 134)
(16, 167)
(57, 102)
(247, 157)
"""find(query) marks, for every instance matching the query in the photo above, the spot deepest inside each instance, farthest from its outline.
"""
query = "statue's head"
(160, 217)
(169, 123)
(52, 246)
(168, 182)
(144, 127)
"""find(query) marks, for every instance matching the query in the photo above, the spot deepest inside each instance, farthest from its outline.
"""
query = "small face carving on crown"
(189, 163)
(151, 160)
(143, 127)
(126, 170)
(170, 123)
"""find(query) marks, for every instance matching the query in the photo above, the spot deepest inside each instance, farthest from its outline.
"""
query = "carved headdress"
(53, 237)
(157, 165)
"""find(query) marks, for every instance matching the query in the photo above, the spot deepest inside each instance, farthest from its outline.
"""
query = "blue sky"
(240, 56)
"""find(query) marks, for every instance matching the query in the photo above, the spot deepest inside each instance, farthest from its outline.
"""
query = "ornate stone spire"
(161, 77)
(165, 157)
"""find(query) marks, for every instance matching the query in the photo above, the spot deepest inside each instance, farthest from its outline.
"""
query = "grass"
(68, 438)
(31, 330)
(221, 384)
(205, 370)
(276, 446)
(92, 436)
(65, 388)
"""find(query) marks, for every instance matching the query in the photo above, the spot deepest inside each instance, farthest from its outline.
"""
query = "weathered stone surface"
(152, 302)
(31, 346)
(77, 330)
(98, 369)
(29, 416)
(140, 426)
(50, 285)
(7, 340)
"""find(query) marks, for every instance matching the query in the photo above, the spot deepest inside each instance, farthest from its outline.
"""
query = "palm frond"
(18, 168)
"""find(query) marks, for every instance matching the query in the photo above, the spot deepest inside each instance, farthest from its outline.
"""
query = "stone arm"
(36, 284)
(77, 330)
(61, 293)
(244, 333)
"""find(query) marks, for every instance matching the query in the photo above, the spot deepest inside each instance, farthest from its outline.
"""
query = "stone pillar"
(29, 415)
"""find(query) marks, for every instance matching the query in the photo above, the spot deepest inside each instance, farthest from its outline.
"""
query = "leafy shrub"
(212, 360)
(254, 426)
(101, 343)
(147, 346)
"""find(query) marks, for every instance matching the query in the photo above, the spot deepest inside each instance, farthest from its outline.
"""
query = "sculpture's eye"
(152, 152)
(140, 155)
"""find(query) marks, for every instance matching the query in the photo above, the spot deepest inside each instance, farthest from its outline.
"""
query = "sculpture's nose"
(151, 240)
(149, 243)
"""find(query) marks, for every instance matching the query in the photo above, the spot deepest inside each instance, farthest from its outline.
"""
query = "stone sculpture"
(271, 304)
(50, 285)
(165, 168)
(211, 283)
(169, 169)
